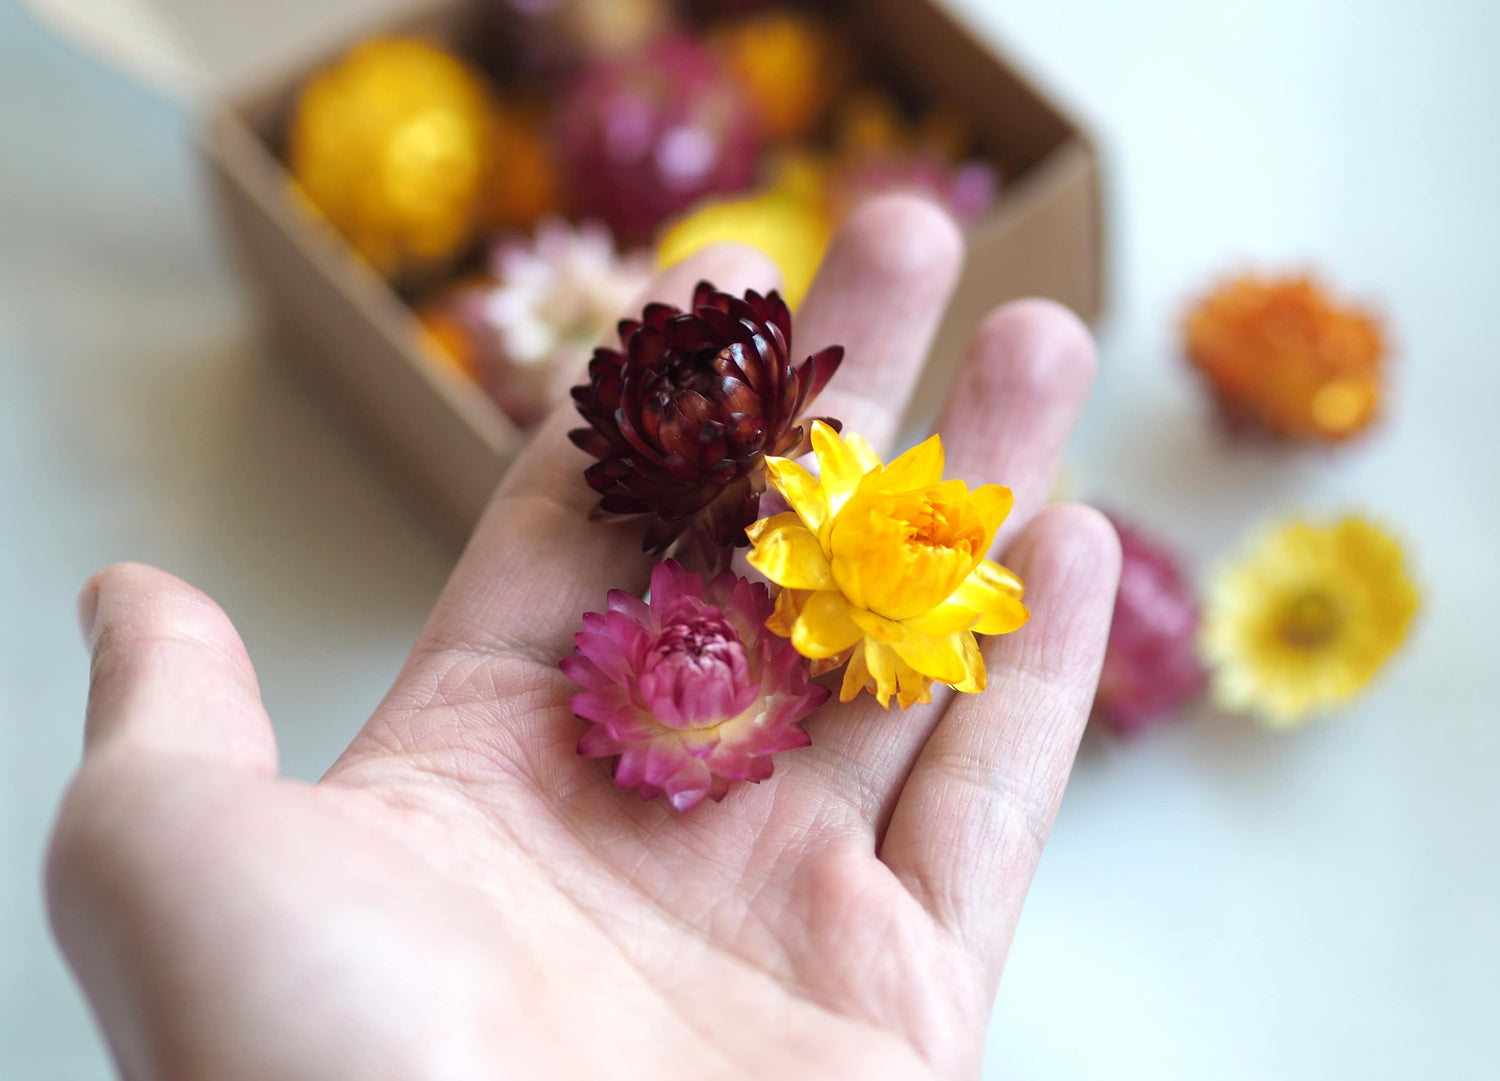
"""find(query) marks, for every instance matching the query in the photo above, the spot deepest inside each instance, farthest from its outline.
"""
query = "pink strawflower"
(689, 689)
(966, 191)
(1151, 666)
(645, 138)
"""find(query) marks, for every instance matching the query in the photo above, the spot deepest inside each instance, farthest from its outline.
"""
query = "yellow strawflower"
(396, 144)
(885, 565)
(1306, 619)
(792, 230)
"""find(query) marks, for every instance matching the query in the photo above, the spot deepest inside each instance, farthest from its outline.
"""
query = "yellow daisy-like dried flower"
(1306, 619)
(794, 232)
(885, 565)
(396, 144)
(1282, 353)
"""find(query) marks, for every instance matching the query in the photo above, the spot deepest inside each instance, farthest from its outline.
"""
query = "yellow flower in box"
(885, 565)
(395, 144)
(792, 230)
(1306, 619)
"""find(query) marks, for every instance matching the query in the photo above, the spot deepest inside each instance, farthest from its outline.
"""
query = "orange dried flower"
(1281, 353)
(789, 65)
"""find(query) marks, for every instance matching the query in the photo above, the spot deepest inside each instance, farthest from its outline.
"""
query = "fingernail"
(88, 611)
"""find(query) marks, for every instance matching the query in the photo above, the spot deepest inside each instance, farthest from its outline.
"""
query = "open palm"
(462, 896)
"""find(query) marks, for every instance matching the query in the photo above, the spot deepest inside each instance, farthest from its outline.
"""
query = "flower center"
(906, 555)
(929, 526)
(1343, 405)
(691, 372)
(696, 672)
(703, 643)
(1312, 619)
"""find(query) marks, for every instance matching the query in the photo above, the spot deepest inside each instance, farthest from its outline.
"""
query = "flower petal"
(974, 662)
(802, 491)
(868, 459)
(877, 626)
(915, 687)
(789, 604)
(881, 662)
(993, 502)
(840, 466)
(995, 593)
(788, 554)
(824, 626)
(856, 676)
(939, 656)
(946, 618)
(917, 468)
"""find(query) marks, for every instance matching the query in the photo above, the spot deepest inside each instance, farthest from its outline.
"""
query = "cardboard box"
(361, 341)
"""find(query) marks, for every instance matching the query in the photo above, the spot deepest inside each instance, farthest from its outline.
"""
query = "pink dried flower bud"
(1151, 666)
(689, 689)
(966, 191)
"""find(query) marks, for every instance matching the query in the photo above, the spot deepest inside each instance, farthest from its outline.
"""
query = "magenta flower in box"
(966, 191)
(1151, 667)
(689, 689)
(643, 139)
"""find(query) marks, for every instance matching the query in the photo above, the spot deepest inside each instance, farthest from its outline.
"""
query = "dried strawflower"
(541, 43)
(879, 150)
(1306, 618)
(396, 145)
(1151, 666)
(790, 65)
(645, 138)
(683, 418)
(885, 565)
(448, 337)
(524, 328)
(794, 232)
(554, 299)
(1279, 352)
(966, 190)
(689, 689)
(529, 186)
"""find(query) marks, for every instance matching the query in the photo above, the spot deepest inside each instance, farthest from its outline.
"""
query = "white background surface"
(1217, 902)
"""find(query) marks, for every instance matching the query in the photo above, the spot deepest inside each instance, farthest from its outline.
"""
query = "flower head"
(789, 64)
(885, 565)
(689, 689)
(1306, 619)
(793, 231)
(1151, 666)
(555, 296)
(395, 145)
(879, 150)
(647, 136)
(967, 190)
(1281, 353)
(682, 420)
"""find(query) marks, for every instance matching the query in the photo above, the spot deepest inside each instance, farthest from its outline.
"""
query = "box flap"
(189, 48)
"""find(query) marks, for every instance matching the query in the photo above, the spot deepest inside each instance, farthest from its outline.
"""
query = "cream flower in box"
(885, 565)
(554, 298)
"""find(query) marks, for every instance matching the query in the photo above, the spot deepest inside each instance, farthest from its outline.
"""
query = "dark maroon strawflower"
(683, 418)
(1151, 666)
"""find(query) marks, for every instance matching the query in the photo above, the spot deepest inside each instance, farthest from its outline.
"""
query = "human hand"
(463, 896)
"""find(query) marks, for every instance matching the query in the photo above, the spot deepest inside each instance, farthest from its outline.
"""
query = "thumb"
(169, 673)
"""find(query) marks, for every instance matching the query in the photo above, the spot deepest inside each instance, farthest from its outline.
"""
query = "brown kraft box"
(361, 342)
